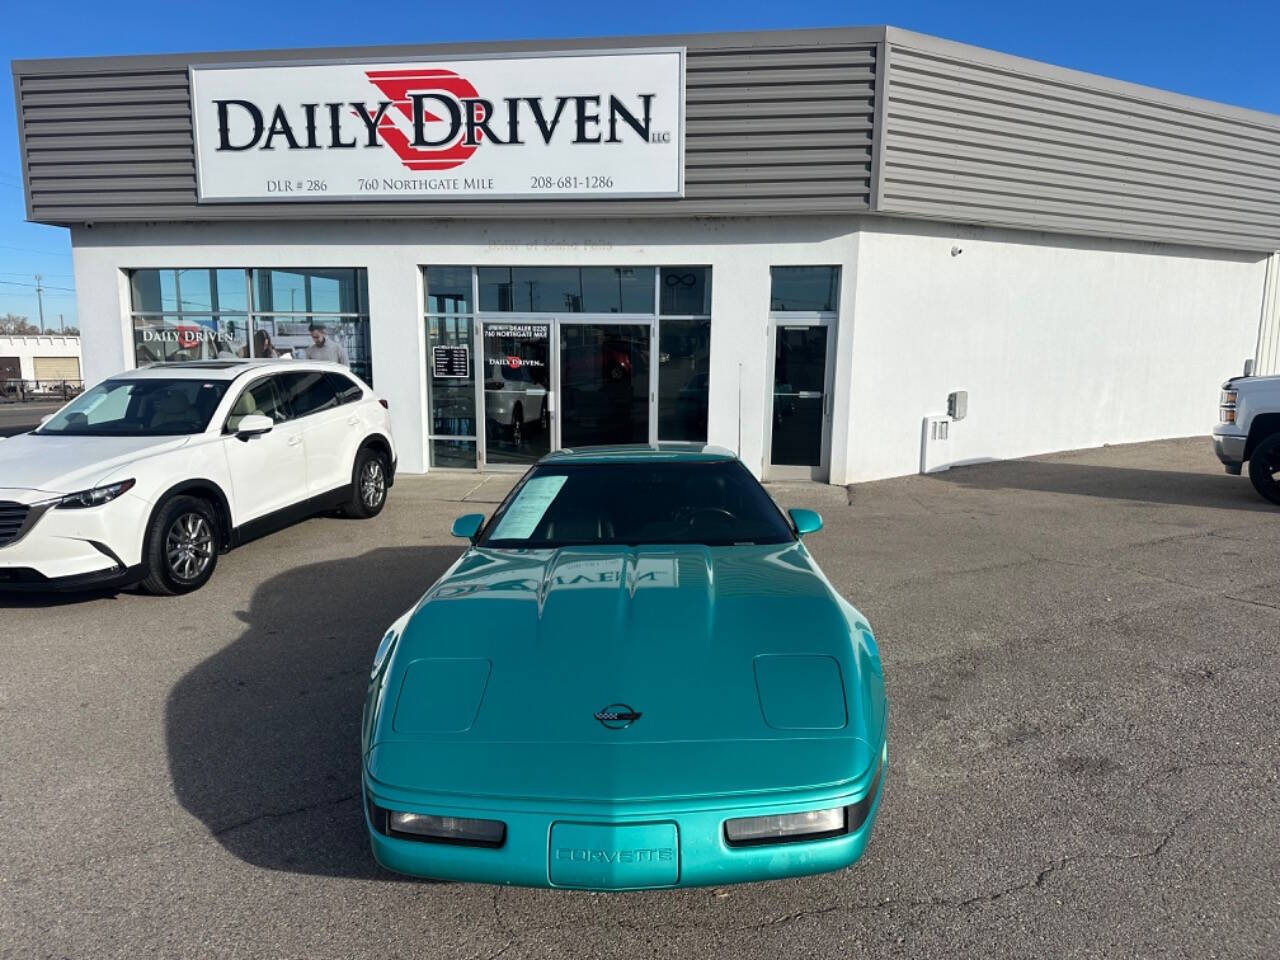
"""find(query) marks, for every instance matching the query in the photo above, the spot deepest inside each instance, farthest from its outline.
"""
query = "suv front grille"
(13, 516)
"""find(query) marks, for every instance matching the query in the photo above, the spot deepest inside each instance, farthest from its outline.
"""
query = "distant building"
(43, 357)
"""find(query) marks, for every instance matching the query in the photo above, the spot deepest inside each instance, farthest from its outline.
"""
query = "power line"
(37, 285)
(51, 253)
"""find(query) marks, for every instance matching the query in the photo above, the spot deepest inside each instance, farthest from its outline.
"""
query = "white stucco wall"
(1061, 342)
(27, 348)
(739, 252)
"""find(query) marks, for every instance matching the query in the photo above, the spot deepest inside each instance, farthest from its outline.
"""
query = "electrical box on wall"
(935, 445)
(958, 404)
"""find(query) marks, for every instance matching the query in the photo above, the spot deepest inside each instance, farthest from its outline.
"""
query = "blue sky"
(1222, 51)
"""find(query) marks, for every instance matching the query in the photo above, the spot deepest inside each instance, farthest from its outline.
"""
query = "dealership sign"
(520, 126)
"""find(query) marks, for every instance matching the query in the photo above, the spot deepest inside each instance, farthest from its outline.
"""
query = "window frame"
(282, 401)
(256, 316)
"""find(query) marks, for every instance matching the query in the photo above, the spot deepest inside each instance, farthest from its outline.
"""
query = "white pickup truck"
(1249, 430)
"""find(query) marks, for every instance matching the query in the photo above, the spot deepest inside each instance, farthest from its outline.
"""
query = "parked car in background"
(1248, 431)
(635, 676)
(150, 475)
(514, 401)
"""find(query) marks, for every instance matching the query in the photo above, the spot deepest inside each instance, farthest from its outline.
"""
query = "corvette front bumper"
(626, 846)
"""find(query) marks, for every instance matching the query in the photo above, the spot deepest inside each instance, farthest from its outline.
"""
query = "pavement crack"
(1252, 603)
(279, 814)
(954, 903)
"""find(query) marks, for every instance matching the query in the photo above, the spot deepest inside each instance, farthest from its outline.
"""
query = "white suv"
(151, 474)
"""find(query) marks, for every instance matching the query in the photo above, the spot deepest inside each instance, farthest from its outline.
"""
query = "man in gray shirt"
(322, 348)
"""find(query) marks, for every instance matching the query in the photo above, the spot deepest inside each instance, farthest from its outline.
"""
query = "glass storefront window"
(200, 290)
(617, 290)
(595, 374)
(566, 289)
(804, 289)
(517, 379)
(684, 358)
(201, 313)
(684, 378)
(451, 373)
(685, 291)
(170, 338)
(448, 290)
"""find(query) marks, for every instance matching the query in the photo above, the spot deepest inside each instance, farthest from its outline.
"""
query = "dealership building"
(845, 253)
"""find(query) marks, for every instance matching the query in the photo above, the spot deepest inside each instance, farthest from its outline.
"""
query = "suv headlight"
(95, 497)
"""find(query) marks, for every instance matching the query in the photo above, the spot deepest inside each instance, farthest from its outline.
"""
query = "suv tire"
(368, 485)
(181, 546)
(1264, 467)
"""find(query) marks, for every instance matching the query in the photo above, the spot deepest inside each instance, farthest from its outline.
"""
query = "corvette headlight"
(95, 497)
(427, 826)
(810, 825)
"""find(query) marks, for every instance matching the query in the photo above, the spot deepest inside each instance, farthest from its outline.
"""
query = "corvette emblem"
(617, 716)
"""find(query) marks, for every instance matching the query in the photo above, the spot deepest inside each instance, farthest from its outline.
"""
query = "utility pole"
(62, 327)
(40, 301)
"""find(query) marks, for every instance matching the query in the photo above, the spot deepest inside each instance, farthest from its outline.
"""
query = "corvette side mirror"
(467, 526)
(254, 425)
(806, 521)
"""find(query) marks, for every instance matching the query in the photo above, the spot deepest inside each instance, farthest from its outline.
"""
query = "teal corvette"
(635, 677)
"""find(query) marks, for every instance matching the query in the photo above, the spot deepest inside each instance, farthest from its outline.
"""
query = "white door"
(268, 472)
(330, 430)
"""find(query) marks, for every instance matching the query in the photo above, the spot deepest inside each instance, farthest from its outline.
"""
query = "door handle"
(295, 440)
(353, 421)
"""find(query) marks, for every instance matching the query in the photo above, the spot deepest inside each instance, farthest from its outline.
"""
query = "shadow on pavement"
(264, 736)
(1112, 483)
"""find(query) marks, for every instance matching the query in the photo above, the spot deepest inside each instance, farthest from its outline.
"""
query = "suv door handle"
(353, 421)
(294, 440)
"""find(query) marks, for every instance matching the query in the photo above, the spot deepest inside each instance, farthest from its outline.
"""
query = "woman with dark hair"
(262, 346)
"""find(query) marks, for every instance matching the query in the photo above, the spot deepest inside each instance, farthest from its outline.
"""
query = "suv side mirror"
(806, 521)
(254, 425)
(467, 526)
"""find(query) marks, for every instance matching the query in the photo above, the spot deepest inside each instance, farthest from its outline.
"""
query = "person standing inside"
(322, 348)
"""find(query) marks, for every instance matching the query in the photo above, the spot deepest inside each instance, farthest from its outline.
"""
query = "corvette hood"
(54, 464)
(740, 662)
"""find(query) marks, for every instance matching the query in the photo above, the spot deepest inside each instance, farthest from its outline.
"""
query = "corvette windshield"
(139, 408)
(715, 503)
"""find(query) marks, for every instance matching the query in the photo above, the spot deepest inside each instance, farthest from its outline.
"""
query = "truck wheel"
(182, 546)
(1264, 467)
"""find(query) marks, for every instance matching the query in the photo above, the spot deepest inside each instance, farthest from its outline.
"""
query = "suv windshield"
(716, 503)
(139, 408)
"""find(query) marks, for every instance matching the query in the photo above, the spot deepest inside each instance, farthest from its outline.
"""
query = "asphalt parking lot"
(20, 417)
(1082, 654)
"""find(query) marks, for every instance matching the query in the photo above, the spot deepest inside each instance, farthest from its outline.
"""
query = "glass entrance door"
(516, 367)
(605, 392)
(800, 427)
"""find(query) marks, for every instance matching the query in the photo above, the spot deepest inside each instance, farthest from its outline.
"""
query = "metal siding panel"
(1184, 172)
(775, 123)
(1072, 99)
(979, 138)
